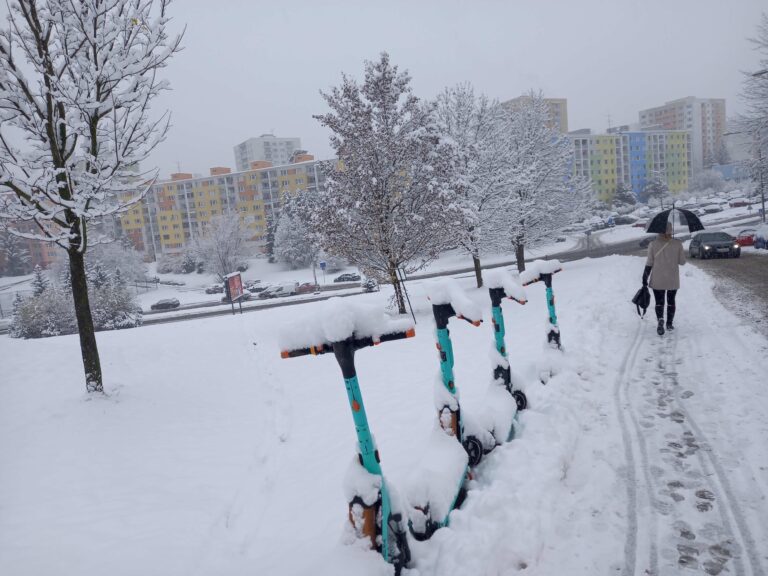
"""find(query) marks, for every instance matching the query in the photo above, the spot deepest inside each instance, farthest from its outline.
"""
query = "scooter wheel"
(474, 449)
(520, 399)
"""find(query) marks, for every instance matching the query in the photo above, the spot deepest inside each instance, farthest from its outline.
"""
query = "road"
(741, 285)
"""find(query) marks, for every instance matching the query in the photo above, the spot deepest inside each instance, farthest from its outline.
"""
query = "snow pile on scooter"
(535, 269)
(503, 279)
(337, 320)
(448, 291)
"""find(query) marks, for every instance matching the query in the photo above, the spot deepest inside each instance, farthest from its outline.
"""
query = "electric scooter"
(372, 512)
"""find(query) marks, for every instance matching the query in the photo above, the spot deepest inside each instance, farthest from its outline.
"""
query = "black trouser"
(658, 296)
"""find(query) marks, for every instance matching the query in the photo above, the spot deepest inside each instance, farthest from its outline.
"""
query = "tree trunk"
(478, 270)
(399, 298)
(88, 348)
(520, 255)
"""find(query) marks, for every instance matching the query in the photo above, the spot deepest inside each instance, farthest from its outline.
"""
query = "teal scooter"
(376, 519)
(423, 523)
(502, 371)
(543, 272)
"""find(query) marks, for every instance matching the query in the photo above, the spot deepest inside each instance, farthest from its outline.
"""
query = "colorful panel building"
(632, 158)
(175, 212)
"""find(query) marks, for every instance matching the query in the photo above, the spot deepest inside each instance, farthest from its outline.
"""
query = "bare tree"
(383, 205)
(544, 195)
(482, 169)
(223, 247)
(77, 78)
(754, 121)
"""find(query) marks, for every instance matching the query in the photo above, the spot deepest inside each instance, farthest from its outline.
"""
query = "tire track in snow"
(621, 401)
(715, 471)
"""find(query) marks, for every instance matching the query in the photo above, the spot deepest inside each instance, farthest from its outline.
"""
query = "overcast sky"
(253, 67)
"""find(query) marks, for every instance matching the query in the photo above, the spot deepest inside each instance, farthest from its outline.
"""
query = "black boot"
(670, 317)
(660, 327)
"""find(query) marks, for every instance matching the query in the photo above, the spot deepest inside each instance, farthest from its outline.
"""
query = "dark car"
(215, 289)
(714, 245)
(166, 304)
(647, 240)
(347, 278)
(244, 297)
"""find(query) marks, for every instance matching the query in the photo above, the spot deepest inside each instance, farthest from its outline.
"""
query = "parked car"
(215, 289)
(761, 237)
(746, 237)
(647, 240)
(624, 219)
(165, 304)
(243, 298)
(712, 208)
(347, 278)
(714, 245)
(279, 290)
(640, 224)
(738, 202)
(307, 288)
(370, 285)
(560, 239)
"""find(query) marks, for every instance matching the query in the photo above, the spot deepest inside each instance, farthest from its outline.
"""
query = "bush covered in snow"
(50, 311)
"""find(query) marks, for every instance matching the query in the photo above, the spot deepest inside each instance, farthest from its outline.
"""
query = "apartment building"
(704, 118)
(632, 158)
(558, 111)
(175, 212)
(267, 148)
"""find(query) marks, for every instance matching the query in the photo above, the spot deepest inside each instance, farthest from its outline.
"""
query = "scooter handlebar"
(327, 347)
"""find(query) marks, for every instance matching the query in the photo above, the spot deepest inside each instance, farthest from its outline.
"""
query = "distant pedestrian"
(665, 256)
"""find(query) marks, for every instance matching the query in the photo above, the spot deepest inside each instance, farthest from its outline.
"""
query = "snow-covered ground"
(211, 455)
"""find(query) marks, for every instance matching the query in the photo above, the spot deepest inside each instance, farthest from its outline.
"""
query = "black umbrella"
(658, 224)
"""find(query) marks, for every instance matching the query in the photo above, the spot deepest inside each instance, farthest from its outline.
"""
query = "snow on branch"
(77, 79)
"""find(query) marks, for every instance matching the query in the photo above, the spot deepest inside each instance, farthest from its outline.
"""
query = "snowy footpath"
(211, 455)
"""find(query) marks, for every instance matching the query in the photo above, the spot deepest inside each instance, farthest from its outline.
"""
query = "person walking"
(665, 256)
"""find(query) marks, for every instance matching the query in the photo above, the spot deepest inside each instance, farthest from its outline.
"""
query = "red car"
(746, 237)
(307, 288)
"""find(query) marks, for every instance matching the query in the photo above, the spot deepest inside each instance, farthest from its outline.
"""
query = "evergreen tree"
(39, 282)
(295, 245)
(14, 257)
(623, 196)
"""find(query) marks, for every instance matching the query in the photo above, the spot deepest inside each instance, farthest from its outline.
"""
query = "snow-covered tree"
(383, 203)
(754, 121)
(223, 246)
(482, 169)
(655, 188)
(77, 80)
(39, 281)
(295, 244)
(14, 257)
(707, 180)
(623, 197)
(545, 197)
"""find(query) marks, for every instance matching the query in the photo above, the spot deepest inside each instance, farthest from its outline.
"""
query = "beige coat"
(665, 257)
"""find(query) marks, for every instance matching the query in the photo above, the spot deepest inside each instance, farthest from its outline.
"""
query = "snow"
(449, 291)
(337, 319)
(211, 455)
(535, 269)
(505, 280)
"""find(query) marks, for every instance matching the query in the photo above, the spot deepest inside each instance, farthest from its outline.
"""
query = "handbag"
(642, 299)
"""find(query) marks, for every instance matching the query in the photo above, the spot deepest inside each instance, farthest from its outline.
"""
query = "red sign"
(234, 287)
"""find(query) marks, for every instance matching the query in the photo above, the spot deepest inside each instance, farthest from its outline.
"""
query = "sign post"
(322, 267)
(233, 286)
